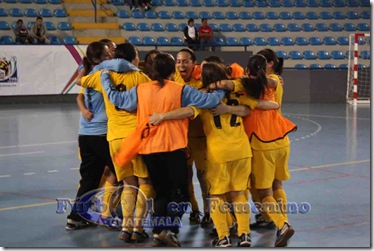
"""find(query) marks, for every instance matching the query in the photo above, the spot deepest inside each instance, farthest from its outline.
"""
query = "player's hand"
(222, 108)
(87, 114)
(105, 71)
(156, 118)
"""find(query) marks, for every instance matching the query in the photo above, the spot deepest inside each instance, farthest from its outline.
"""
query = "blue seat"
(225, 27)
(248, 3)
(343, 66)
(339, 3)
(232, 15)
(163, 41)
(300, 66)
(157, 27)
(214, 27)
(337, 55)
(307, 27)
(352, 3)
(329, 41)
(261, 3)
(164, 14)
(182, 3)
(310, 55)
(363, 27)
(14, 25)
(209, 3)
(281, 54)
(222, 3)
(205, 14)
(40, 1)
(300, 3)
(30, 13)
(312, 3)
(177, 15)
(157, 2)
(265, 28)
(323, 55)
(260, 41)
(274, 3)
(315, 41)
(10, 1)
(287, 41)
(64, 26)
(365, 3)
(3, 12)
(49, 25)
(325, 15)
(15, 12)
(69, 40)
(338, 15)
(352, 15)
(238, 28)
(342, 40)
(293, 27)
(273, 41)
(244, 15)
(25, 1)
(219, 41)
(365, 54)
(258, 15)
(30, 24)
(59, 13)
(176, 41)
(150, 14)
(315, 66)
(365, 15)
(54, 1)
(279, 28)
(235, 3)
(251, 27)
(287, 3)
(321, 27)
(182, 26)
(245, 41)
(143, 27)
(349, 27)
(135, 40)
(218, 15)
(171, 27)
(347, 54)
(325, 3)
(301, 41)
(271, 15)
(295, 55)
(6, 40)
(335, 27)
(118, 2)
(54, 40)
(45, 12)
(137, 14)
(123, 14)
(298, 15)
(362, 40)
(232, 41)
(129, 27)
(285, 15)
(311, 15)
(149, 41)
(191, 14)
(195, 3)
(169, 3)
(361, 66)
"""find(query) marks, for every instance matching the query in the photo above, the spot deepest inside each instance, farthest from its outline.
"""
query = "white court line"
(4, 176)
(74, 168)
(27, 174)
(40, 144)
(52, 171)
(18, 154)
(324, 116)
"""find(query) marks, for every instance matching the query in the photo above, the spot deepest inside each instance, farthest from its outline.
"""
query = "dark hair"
(189, 51)
(126, 51)
(19, 20)
(213, 72)
(256, 82)
(163, 66)
(214, 59)
(204, 19)
(39, 18)
(106, 41)
(190, 20)
(270, 56)
(154, 51)
(94, 51)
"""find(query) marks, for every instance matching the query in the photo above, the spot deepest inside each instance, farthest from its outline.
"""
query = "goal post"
(358, 79)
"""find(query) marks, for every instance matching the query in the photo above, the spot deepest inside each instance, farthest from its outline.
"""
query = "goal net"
(358, 79)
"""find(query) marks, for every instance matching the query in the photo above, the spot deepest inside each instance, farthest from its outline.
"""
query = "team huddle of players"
(225, 120)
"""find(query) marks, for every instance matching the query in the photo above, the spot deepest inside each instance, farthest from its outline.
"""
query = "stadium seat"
(325, 15)
(164, 14)
(321, 27)
(171, 27)
(235, 3)
(337, 55)
(25, 1)
(30, 24)
(59, 13)
(15, 12)
(365, 54)
(129, 27)
(191, 14)
(45, 12)
(265, 28)
(118, 2)
(347, 54)
(69, 40)
(258, 15)
(352, 15)
(365, 15)
(225, 27)
(361, 40)
(343, 66)
(285, 15)
(312, 3)
(30, 13)
(244, 15)
(349, 27)
(325, 3)
(287, 41)
(274, 3)
(148, 41)
(54, 1)
(338, 15)
(365, 3)
(315, 66)
(182, 26)
(329, 41)
(287, 3)
(343, 41)
(14, 25)
(295, 55)
(182, 3)
(323, 55)
(176, 41)
(232, 15)
(163, 41)
(123, 14)
(279, 28)
(330, 66)
(363, 27)
(301, 41)
(300, 3)
(6, 40)
(310, 55)
(65, 26)
(219, 41)
(3, 12)
(177, 15)
(245, 41)
(352, 3)
(150, 14)
(339, 3)
(157, 27)
(135, 40)
(273, 41)
(259, 41)
(205, 14)
(40, 1)
(137, 14)
(10, 1)
(238, 28)
(195, 3)
(49, 25)
(311, 15)
(307, 27)
(248, 3)
(218, 15)
(232, 41)
(271, 15)
(252, 27)
(143, 27)
(169, 3)
(281, 54)
(54, 40)
(300, 66)
(214, 27)
(261, 3)
(298, 15)
(335, 27)
(361, 66)
(157, 3)
(209, 3)
(222, 3)
(293, 27)
(315, 41)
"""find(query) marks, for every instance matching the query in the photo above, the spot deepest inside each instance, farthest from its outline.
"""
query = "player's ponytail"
(256, 82)
(279, 69)
(271, 56)
(212, 73)
(163, 67)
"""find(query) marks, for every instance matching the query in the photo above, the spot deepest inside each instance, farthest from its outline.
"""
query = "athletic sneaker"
(222, 243)
(74, 225)
(125, 236)
(245, 240)
(261, 223)
(195, 217)
(283, 235)
(157, 242)
(232, 231)
(206, 221)
(169, 238)
(139, 237)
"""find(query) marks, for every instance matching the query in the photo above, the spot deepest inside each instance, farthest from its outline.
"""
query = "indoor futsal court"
(329, 165)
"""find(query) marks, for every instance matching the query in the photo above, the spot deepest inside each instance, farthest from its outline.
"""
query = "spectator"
(22, 36)
(134, 5)
(191, 36)
(38, 32)
(146, 4)
(205, 35)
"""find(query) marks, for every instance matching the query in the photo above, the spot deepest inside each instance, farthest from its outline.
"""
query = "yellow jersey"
(278, 91)
(120, 122)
